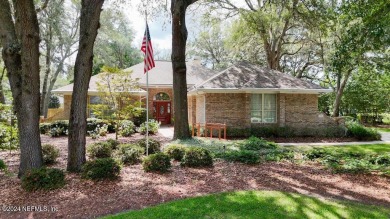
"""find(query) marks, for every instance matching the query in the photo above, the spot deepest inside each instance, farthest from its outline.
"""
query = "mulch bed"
(136, 189)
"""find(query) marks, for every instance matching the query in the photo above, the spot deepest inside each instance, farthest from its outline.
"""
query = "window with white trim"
(263, 108)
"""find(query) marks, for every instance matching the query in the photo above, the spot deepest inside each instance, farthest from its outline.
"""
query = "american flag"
(147, 49)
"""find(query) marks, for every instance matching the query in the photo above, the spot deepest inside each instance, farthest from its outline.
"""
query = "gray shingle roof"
(244, 75)
(161, 75)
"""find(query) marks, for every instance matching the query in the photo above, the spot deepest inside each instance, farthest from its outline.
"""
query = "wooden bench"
(211, 127)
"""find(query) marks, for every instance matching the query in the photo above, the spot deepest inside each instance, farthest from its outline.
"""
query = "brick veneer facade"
(293, 110)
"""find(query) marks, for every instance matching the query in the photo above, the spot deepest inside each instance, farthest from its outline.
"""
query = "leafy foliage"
(254, 143)
(158, 162)
(243, 156)
(176, 151)
(3, 166)
(197, 157)
(129, 153)
(54, 102)
(43, 178)
(154, 146)
(126, 128)
(153, 127)
(100, 169)
(362, 133)
(100, 150)
(50, 153)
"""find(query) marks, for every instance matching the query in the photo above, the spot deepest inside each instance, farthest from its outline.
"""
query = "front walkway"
(167, 131)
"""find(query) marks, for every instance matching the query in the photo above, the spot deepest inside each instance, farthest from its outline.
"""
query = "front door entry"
(162, 111)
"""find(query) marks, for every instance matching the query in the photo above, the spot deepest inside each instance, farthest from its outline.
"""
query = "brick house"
(242, 96)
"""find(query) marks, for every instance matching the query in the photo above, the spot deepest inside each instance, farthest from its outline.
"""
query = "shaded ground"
(137, 189)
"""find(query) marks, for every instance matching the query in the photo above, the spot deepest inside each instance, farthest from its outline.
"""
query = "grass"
(362, 148)
(381, 129)
(257, 204)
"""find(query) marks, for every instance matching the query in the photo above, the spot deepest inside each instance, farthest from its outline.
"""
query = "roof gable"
(244, 75)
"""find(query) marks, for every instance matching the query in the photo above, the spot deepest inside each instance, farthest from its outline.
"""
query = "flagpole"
(147, 84)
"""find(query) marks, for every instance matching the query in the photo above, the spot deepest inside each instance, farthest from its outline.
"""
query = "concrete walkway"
(167, 131)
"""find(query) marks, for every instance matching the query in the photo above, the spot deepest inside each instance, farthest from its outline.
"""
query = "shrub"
(3, 166)
(129, 153)
(93, 123)
(158, 162)
(139, 116)
(126, 128)
(100, 150)
(176, 151)
(243, 156)
(197, 157)
(383, 159)
(54, 102)
(43, 178)
(277, 155)
(352, 166)
(59, 128)
(49, 153)
(238, 132)
(362, 133)
(113, 143)
(44, 128)
(254, 143)
(8, 136)
(316, 153)
(99, 169)
(154, 145)
(153, 127)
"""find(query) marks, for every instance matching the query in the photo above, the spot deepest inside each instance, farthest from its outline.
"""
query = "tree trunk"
(44, 97)
(89, 24)
(179, 39)
(339, 94)
(2, 97)
(21, 57)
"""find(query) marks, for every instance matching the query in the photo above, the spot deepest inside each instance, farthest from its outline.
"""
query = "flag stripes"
(147, 49)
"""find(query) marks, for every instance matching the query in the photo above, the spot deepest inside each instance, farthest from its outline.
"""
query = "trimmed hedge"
(100, 169)
(43, 178)
(197, 157)
(158, 162)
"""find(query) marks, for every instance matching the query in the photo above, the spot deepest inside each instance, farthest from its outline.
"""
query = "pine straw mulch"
(136, 189)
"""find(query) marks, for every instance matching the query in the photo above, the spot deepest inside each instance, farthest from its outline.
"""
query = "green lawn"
(257, 204)
(368, 148)
(382, 129)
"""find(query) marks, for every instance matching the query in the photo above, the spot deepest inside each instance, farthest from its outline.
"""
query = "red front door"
(162, 111)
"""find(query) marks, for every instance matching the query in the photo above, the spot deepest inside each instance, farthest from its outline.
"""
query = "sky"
(159, 27)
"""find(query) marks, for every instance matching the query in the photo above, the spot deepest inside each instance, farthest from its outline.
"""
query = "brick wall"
(191, 109)
(230, 108)
(293, 110)
(301, 110)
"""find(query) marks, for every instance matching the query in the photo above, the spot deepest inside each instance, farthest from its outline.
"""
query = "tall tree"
(89, 25)
(59, 30)
(20, 42)
(365, 31)
(179, 40)
(113, 44)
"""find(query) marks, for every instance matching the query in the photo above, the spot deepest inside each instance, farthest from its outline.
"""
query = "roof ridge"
(215, 76)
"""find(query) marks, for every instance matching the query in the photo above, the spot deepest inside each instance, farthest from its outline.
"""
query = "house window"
(263, 108)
